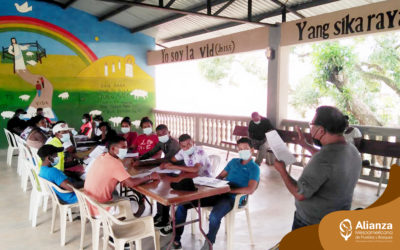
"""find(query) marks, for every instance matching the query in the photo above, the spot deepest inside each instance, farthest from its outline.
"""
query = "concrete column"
(278, 76)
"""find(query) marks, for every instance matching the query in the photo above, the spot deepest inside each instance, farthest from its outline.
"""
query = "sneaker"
(206, 246)
(176, 246)
(161, 224)
(166, 230)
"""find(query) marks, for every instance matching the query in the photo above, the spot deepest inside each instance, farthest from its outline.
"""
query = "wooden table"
(162, 192)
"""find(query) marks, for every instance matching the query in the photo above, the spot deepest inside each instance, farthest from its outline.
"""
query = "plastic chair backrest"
(10, 138)
(32, 174)
(51, 187)
(215, 161)
(83, 205)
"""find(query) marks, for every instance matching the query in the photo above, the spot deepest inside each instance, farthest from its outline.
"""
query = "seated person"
(352, 134)
(166, 143)
(17, 124)
(96, 122)
(39, 133)
(243, 175)
(49, 158)
(108, 170)
(258, 126)
(106, 133)
(196, 161)
(86, 128)
(129, 135)
(146, 141)
(39, 111)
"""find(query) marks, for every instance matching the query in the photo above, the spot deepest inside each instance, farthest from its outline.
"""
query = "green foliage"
(217, 68)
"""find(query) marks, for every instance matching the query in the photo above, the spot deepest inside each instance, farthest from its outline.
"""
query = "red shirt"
(130, 138)
(144, 143)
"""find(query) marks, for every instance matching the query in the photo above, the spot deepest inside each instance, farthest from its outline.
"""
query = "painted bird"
(23, 8)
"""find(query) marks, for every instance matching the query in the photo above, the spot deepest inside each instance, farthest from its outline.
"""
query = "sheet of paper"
(97, 151)
(279, 148)
(132, 155)
(141, 175)
(82, 149)
(210, 182)
(165, 171)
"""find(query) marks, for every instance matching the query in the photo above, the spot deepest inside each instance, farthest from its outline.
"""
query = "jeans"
(262, 147)
(222, 204)
(163, 211)
(298, 222)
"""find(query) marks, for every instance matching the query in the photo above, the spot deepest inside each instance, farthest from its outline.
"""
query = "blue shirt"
(57, 177)
(239, 175)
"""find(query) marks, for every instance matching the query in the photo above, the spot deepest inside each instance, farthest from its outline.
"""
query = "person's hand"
(154, 176)
(279, 166)
(135, 163)
(165, 165)
(301, 139)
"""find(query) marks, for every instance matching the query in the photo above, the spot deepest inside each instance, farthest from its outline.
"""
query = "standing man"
(258, 126)
(328, 181)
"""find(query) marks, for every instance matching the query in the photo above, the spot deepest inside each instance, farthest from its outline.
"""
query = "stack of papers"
(210, 182)
(132, 155)
(165, 171)
(279, 148)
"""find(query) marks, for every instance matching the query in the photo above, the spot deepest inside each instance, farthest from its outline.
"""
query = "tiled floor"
(271, 211)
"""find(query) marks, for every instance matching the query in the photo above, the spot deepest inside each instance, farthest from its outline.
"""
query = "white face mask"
(98, 132)
(56, 160)
(244, 154)
(96, 123)
(122, 153)
(83, 120)
(163, 138)
(21, 116)
(65, 137)
(188, 152)
(147, 131)
(74, 132)
(44, 129)
(125, 130)
(257, 122)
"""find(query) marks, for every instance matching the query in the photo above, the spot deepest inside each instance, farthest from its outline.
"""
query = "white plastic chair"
(64, 208)
(12, 146)
(20, 142)
(125, 231)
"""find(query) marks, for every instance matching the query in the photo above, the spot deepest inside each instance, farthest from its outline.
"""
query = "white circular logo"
(345, 229)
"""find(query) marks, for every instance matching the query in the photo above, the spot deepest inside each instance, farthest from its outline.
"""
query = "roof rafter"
(288, 8)
(116, 11)
(257, 18)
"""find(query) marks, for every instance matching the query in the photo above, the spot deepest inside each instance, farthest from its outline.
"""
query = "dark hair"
(161, 127)
(35, 120)
(87, 116)
(127, 120)
(331, 119)
(244, 140)
(145, 119)
(108, 126)
(184, 137)
(114, 140)
(58, 122)
(39, 109)
(98, 118)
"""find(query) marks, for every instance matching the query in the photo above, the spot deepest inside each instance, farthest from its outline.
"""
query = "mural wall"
(68, 63)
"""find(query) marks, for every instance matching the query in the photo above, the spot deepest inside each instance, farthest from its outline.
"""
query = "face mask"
(74, 132)
(258, 122)
(244, 154)
(56, 160)
(125, 130)
(44, 129)
(65, 138)
(83, 120)
(96, 123)
(188, 152)
(21, 116)
(163, 139)
(98, 132)
(122, 153)
(147, 131)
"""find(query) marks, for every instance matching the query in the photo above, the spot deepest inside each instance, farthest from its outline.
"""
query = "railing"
(210, 130)
(39, 51)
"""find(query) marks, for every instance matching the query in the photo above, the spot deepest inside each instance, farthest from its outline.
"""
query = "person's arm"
(84, 131)
(251, 187)
(301, 140)
(222, 175)
(133, 182)
(152, 152)
(290, 183)
(173, 149)
(65, 185)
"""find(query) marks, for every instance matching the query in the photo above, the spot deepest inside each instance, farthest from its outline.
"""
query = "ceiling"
(176, 22)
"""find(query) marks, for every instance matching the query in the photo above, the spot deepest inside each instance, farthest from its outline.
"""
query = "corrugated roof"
(191, 28)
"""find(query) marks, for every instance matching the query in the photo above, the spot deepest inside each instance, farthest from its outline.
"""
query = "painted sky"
(113, 39)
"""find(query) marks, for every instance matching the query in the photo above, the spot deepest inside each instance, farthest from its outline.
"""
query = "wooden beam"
(289, 9)
(223, 7)
(113, 12)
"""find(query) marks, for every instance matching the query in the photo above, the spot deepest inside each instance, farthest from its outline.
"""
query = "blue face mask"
(122, 153)
(65, 138)
(188, 152)
(244, 154)
(55, 161)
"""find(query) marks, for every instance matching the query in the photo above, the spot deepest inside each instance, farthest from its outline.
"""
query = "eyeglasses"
(313, 124)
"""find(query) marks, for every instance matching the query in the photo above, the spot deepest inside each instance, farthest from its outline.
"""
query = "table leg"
(173, 227)
(198, 210)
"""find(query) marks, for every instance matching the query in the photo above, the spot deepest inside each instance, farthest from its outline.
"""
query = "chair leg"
(9, 155)
(45, 202)
(157, 240)
(70, 214)
(192, 216)
(227, 153)
(83, 229)
(105, 240)
(24, 179)
(96, 234)
(36, 205)
(228, 231)
(138, 244)
(63, 224)
(31, 203)
(53, 216)
(119, 244)
(249, 225)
